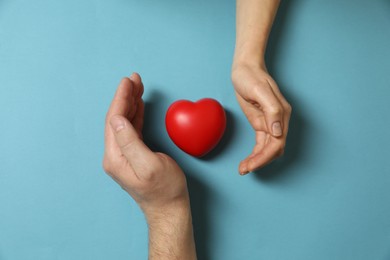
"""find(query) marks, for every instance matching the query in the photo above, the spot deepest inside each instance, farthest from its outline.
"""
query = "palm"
(129, 161)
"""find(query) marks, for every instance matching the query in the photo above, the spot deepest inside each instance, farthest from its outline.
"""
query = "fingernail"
(277, 129)
(132, 75)
(117, 123)
(244, 171)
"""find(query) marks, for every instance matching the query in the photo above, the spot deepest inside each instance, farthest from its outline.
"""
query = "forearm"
(171, 235)
(253, 25)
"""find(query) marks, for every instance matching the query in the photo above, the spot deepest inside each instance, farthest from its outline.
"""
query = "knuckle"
(107, 165)
(107, 118)
(288, 108)
(274, 110)
(148, 174)
(156, 165)
(159, 165)
(263, 82)
(281, 150)
(163, 156)
(263, 86)
(151, 171)
(256, 123)
(111, 165)
(237, 74)
(234, 78)
(129, 145)
(259, 88)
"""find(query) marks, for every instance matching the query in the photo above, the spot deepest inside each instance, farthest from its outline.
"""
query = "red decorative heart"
(196, 127)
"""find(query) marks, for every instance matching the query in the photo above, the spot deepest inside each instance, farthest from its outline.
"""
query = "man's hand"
(267, 111)
(154, 180)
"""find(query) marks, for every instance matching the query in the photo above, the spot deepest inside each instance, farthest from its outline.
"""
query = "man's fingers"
(272, 108)
(120, 105)
(138, 120)
(139, 86)
(123, 99)
(136, 152)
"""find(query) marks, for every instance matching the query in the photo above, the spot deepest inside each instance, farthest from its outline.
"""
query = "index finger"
(271, 107)
(121, 104)
(267, 154)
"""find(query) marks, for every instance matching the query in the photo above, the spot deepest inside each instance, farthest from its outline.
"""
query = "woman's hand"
(267, 111)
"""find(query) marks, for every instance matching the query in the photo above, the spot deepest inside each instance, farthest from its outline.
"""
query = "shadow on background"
(201, 200)
(295, 144)
(154, 122)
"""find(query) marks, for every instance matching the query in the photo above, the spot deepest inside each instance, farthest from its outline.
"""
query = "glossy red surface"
(196, 127)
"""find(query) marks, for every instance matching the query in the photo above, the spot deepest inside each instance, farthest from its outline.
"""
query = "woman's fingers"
(267, 111)
(268, 147)
(271, 150)
(271, 107)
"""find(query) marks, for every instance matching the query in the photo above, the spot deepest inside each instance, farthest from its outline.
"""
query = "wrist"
(240, 68)
(250, 50)
(170, 223)
(175, 212)
(249, 59)
(171, 234)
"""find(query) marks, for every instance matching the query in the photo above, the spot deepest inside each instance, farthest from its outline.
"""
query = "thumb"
(273, 110)
(131, 146)
(273, 118)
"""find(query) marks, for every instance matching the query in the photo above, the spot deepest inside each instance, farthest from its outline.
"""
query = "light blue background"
(60, 63)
